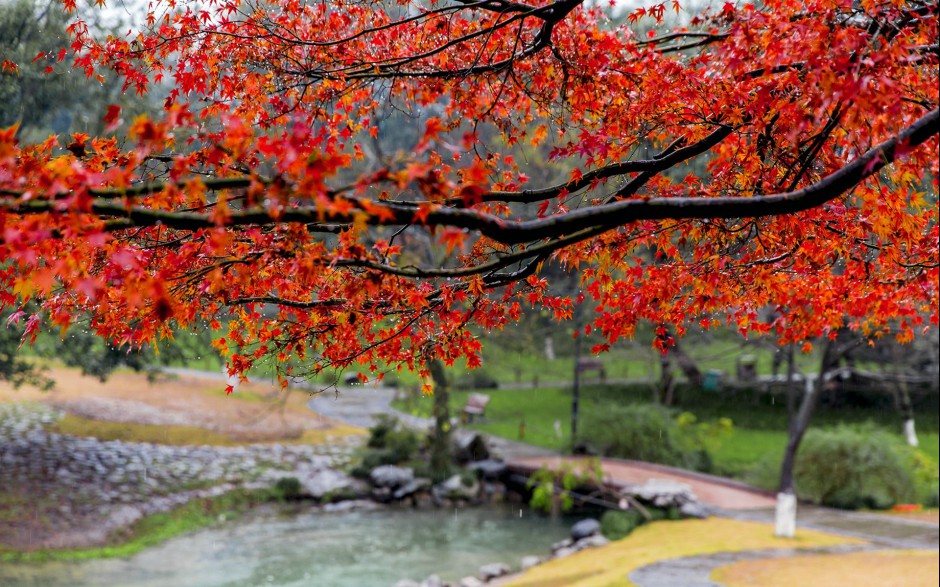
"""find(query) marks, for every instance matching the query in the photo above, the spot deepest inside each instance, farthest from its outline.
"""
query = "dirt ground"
(256, 412)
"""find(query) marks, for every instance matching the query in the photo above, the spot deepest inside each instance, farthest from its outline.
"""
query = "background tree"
(792, 164)
(440, 438)
(13, 366)
(39, 90)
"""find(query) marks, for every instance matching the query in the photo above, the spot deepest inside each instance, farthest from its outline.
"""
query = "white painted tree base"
(909, 433)
(785, 517)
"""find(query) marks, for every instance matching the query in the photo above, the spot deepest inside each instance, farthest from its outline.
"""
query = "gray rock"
(562, 544)
(391, 476)
(470, 582)
(493, 570)
(663, 493)
(593, 541)
(530, 561)
(350, 505)
(693, 510)
(124, 516)
(489, 469)
(454, 488)
(407, 583)
(469, 446)
(432, 581)
(330, 483)
(382, 494)
(411, 488)
(563, 552)
(585, 528)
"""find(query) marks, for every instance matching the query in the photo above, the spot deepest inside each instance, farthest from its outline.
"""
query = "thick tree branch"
(603, 217)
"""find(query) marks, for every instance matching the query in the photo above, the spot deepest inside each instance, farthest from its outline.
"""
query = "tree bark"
(785, 519)
(667, 383)
(549, 348)
(440, 436)
(785, 515)
(904, 401)
(687, 364)
(576, 387)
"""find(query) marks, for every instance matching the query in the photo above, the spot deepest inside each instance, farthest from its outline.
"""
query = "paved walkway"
(714, 492)
(726, 497)
(883, 530)
(359, 405)
(880, 531)
(695, 571)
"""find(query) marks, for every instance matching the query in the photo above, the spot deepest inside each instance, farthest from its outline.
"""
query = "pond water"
(351, 549)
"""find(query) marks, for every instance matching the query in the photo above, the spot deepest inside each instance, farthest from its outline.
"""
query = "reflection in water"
(356, 549)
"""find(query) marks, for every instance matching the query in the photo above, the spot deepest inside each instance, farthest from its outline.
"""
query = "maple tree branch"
(500, 6)
(603, 217)
(681, 35)
(550, 14)
(670, 157)
(625, 211)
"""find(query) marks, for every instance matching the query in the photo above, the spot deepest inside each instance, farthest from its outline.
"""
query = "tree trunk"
(785, 515)
(687, 364)
(667, 384)
(549, 348)
(785, 520)
(440, 436)
(576, 386)
(904, 401)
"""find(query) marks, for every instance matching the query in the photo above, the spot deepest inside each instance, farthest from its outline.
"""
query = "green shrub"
(644, 432)
(389, 435)
(853, 467)
(699, 439)
(552, 489)
(477, 379)
(286, 489)
(389, 443)
(617, 524)
(391, 380)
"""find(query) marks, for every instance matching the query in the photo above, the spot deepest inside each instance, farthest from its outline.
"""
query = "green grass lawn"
(510, 364)
(759, 432)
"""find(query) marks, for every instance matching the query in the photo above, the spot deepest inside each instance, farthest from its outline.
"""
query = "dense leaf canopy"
(781, 156)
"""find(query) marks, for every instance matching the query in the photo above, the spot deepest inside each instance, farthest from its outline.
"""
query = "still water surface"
(352, 549)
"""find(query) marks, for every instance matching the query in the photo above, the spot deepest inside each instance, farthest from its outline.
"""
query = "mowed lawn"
(542, 416)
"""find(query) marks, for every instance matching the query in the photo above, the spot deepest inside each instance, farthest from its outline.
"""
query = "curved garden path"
(880, 532)
(725, 497)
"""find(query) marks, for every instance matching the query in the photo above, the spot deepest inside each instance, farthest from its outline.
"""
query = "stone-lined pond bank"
(62, 491)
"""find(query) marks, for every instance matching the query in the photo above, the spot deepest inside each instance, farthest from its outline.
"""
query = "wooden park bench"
(476, 406)
(593, 365)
